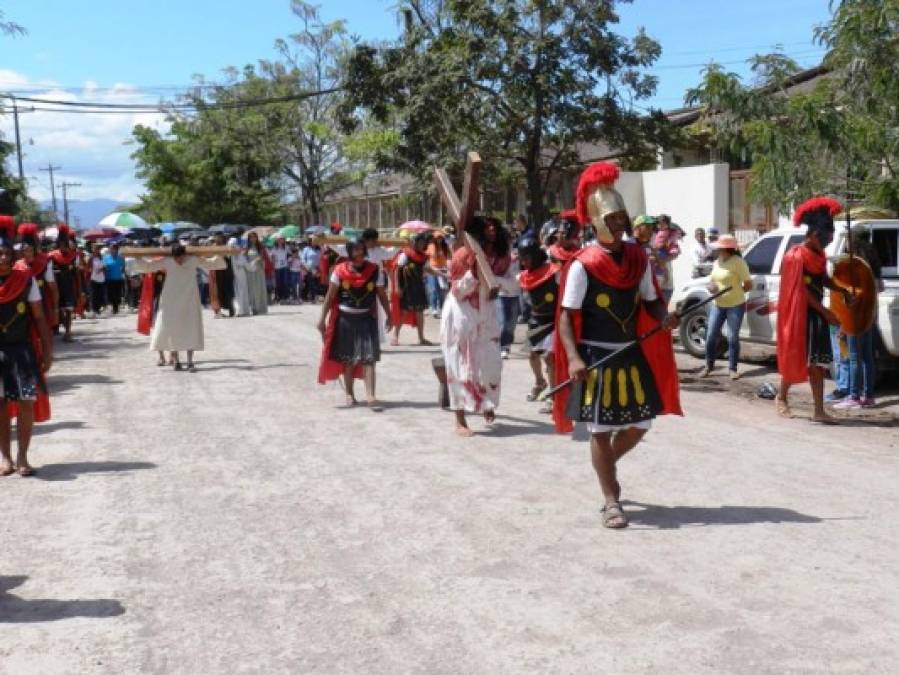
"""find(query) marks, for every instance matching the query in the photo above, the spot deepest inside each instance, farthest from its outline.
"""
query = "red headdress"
(63, 230)
(599, 174)
(832, 206)
(28, 234)
(7, 230)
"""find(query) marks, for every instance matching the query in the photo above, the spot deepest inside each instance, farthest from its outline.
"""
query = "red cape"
(531, 279)
(658, 350)
(38, 267)
(563, 255)
(10, 289)
(328, 368)
(792, 311)
(145, 308)
(398, 317)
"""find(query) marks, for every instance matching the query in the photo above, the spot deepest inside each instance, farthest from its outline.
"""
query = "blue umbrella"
(166, 228)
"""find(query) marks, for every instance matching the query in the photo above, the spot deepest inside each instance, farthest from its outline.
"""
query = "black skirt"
(20, 372)
(539, 328)
(620, 393)
(356, 339)
(66, 286)
(415, 296)
(818, 345)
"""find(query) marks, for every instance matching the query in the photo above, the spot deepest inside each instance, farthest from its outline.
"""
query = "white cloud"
(90, 148)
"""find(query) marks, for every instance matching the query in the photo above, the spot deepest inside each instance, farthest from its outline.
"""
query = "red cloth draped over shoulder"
(398, 317)
(38, 267)
(792, 311)
(658, 350)
(562, 254)
(328, 368)
(12, 288)
(531, 279)
(145, 308)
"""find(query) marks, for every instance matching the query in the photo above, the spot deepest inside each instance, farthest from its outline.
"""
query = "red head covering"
(600, 173)
(28, 234)
(815, 204)
(7, 230)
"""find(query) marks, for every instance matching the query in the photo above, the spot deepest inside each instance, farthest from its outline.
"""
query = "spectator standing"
(114, 269)
(312, 256)
(508, 306)
(861, 367)
(730, 270)
(666, 248)
(295, 266)
(279, 255)
(439, 254)
(98, 282)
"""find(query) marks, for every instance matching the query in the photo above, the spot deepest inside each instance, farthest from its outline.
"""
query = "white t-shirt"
(48, 274)
(97, 273)
(279, 257)
(34, 293)
(578, 278)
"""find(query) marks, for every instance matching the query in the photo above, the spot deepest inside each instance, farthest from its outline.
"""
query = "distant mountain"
(87, 212)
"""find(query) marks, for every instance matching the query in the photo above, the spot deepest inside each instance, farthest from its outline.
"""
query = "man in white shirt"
(279, 255)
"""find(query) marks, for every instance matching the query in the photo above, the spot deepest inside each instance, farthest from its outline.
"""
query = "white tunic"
(179, 323)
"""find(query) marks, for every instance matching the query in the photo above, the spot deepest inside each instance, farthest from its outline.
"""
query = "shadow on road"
(674, 517)
(49, 427)
(71, 470)
(202, 368)
(63, 383)
(14, 609)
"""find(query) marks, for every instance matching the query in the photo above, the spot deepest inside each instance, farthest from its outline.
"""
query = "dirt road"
(235, 520)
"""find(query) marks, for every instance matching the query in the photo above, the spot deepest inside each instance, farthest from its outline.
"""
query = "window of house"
(760, 258)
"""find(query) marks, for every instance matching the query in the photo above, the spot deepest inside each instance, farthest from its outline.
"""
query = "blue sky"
(112, 47)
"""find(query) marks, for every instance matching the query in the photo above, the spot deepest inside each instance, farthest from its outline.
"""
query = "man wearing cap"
(730, 271)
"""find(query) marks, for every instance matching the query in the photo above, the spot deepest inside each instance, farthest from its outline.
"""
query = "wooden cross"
(462, 211)
(166, 251)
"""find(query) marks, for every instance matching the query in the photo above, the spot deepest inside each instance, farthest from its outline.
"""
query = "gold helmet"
(598, 198)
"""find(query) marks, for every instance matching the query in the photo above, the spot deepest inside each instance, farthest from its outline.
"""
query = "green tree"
(803, 143)
(525, 82)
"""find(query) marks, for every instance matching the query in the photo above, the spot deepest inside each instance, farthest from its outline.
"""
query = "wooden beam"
(203, 251)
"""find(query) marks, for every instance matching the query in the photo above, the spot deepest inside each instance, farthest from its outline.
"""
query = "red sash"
(658, 350)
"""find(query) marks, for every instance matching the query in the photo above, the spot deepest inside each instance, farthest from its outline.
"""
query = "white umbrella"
(123, 220)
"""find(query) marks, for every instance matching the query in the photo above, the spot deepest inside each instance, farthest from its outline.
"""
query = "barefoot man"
(609, 297)
(349, 324)
(804, 350)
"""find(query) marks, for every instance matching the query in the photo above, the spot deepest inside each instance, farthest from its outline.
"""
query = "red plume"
(8, 228)
(813, 204)
(28, 231)
(601, 173)
(63, 230)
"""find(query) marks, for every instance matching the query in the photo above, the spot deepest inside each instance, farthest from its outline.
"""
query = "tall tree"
(802, 142)
(524, 81)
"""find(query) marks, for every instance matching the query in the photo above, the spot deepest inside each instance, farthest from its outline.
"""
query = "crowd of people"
(593, 285)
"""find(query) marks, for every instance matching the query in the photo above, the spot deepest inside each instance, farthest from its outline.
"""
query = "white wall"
(695, 196)
(630, 187)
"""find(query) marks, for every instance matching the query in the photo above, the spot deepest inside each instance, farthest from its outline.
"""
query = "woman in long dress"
(179, 322)
(469, 329)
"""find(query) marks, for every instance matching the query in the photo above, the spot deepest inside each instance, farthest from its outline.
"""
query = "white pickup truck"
(764, 258)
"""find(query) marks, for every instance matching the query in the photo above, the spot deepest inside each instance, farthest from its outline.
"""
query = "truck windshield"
(760, 258)
(886, 243)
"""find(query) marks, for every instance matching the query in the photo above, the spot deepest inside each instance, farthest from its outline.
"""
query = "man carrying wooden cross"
(469, 330)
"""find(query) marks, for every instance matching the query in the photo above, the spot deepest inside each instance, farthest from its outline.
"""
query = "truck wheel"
(693, 331)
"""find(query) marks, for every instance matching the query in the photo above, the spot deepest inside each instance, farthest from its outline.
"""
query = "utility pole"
(15, 114)
(51, 169)
(65, 199)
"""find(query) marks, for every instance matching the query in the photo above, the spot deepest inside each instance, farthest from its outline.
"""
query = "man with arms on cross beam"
(610, 297)
(469, 329)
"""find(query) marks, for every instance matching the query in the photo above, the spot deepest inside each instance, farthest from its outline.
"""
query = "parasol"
(122, 220)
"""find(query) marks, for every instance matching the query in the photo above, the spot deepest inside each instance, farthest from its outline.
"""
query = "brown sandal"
(613, 516)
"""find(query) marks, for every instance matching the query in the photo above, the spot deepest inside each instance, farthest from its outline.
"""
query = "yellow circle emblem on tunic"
(40, 283)
(370, 285)
(20, 308)
(346, 285)
(549, 297)
(603, 300)
(807, 279)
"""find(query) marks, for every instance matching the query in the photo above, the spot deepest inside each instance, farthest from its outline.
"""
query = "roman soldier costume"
(540, 280)
(21, 350)
(65, 269)
(351, 335)
(803, 334)
(606, 292)
(41, 271)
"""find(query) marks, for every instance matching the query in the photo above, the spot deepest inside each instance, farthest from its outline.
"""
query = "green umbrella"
(289, 231)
